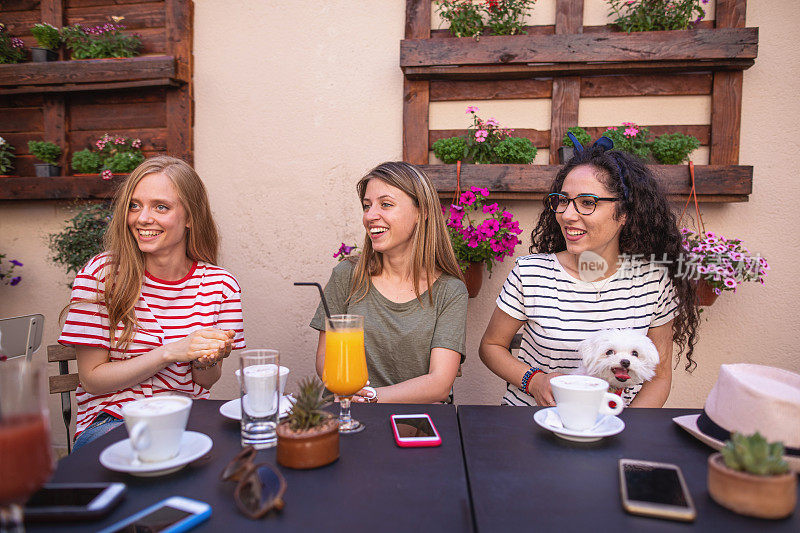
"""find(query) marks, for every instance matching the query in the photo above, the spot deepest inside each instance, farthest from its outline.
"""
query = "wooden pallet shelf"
(91, 75)
(58, 188)
(714, 183)
(525, 56)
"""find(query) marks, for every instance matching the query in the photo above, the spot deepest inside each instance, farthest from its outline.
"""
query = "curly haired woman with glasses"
(608, 255)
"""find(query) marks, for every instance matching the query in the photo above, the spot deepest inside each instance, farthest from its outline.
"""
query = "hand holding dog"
(539, 388)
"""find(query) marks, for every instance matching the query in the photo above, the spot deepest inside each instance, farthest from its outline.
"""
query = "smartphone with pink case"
(414, 431)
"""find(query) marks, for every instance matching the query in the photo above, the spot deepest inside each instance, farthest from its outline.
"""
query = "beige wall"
(294, 102)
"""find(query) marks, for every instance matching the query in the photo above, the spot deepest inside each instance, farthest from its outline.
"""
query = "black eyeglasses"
(260, 487)
(585, 204)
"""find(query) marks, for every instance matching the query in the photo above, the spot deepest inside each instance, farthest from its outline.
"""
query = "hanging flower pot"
(473, 277)
(705, 294)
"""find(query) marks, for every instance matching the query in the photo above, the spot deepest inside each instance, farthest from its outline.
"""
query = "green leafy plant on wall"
(82, 237)
(47, 36)
(44, 151)
(655, 15)
(11, 48)
(95, 42)
(667, 149)
(6, 156)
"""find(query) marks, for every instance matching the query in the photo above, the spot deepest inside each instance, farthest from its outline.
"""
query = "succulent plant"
(753, 454)
(307, 412)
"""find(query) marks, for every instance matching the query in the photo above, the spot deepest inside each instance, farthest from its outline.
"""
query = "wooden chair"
(64, 383)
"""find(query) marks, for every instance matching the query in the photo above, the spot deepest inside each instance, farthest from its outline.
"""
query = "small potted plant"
(12, 49)
(309, 437)
(497, 17)
(673, 148)
(114, 155)
(49, 154)
(485, 142)
(750, 477)
(719, 264)
(6, 158)
(49, 39)
(656, 16)
(489, 237)
(102, 41)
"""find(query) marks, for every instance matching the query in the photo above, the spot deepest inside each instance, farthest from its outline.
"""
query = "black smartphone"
(73, 501)
(655, 489)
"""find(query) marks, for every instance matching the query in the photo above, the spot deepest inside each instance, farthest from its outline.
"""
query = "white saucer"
(119, 456)
(233, 408)
(611, 425)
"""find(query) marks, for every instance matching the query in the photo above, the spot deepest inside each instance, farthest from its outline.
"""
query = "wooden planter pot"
(309, 449)
(771, 497)
(473, 277)
(705, 294)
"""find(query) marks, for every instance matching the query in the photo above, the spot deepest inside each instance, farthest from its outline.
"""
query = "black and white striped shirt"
(560, 311)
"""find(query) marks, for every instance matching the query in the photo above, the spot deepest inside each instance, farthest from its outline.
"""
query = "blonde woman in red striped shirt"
(177, 315)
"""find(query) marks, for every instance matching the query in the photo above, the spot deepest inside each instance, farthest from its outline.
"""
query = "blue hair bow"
(606, 144)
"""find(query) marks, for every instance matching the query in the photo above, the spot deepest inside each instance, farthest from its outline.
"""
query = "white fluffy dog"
(622, 357)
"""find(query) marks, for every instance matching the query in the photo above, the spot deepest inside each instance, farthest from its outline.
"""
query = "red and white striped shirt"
(208, 296)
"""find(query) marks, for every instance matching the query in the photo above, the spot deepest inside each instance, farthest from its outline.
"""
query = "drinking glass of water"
(259, 372)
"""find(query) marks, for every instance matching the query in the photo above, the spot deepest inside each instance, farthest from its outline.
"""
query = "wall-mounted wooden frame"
(567, 61)
(72, 103)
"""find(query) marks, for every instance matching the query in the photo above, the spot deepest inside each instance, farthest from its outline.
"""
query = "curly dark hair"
(650, 229)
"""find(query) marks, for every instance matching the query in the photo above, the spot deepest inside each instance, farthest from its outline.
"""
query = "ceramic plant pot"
(43, 55)
(565, 153)
(308, 449)
(705, 294)
(772, 497)
(473, 277)
(46, 170)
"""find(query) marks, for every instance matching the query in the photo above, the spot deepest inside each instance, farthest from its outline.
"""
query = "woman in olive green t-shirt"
(408, 286)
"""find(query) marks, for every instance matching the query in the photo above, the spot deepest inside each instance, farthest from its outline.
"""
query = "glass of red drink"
(25, 461)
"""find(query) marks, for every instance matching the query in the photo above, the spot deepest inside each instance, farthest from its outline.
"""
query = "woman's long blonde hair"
(431, 246)
(125, 270)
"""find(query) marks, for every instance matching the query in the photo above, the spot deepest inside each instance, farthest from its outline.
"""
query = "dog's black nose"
(625, 363)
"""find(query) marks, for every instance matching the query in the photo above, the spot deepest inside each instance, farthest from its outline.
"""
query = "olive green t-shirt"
(398, 337)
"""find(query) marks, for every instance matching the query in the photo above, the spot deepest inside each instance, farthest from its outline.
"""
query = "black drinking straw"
(321, 294)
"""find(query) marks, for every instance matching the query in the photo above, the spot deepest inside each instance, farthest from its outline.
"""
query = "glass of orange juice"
(345, 370)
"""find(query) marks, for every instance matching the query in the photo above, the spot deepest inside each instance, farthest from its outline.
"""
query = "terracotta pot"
(705, 294)
(312, 450)
(473, 277)
(750, 495)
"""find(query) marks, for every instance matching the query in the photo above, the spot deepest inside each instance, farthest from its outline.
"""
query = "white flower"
(2, 141)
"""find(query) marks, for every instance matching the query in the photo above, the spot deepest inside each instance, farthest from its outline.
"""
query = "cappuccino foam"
(579, 383)
(157, 406)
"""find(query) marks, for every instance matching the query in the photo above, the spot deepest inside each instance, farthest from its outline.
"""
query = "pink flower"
(480, 190)
(137, 143)
(107, 174)
(480, 140)
(730, 283)
(471, 109)
(468, 198)
(489, 209)
(630, 132)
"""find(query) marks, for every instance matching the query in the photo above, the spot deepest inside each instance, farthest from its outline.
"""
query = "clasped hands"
(203, 348)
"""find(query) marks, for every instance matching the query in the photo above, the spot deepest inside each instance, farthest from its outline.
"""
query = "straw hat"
(749, 398)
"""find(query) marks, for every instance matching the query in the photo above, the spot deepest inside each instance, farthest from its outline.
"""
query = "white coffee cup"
(283, 376)
(579, 399)
(156, 425)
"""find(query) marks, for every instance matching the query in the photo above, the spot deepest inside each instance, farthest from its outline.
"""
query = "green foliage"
(580, 134)
(82, 238)
(464, 17)
(100, 41)
(11, 48)
(123, 162)
(86, 162)
(307, 413)
(506, 17)
(630, 138)
(451, 149)
(6, 157)
(654, 15)
(44, 151)
(47, 35)
(515, 150)
(754, 455)
(674, 148)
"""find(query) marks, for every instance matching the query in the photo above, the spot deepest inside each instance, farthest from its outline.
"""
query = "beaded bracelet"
(199, 366)
(526, 379)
